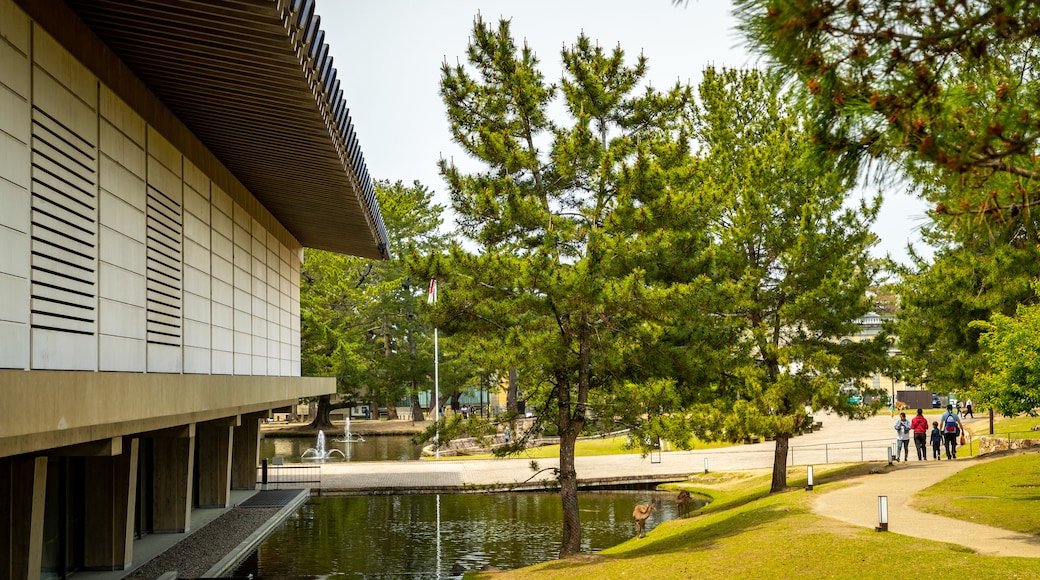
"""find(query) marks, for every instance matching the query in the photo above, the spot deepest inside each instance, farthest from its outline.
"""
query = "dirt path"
(858, 505)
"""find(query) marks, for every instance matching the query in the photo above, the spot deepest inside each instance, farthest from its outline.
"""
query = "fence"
(289, 476)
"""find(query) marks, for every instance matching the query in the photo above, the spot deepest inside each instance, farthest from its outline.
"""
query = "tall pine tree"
(568, 227)
(794, 252)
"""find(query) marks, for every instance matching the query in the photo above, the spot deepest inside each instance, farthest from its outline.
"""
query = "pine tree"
(794, 253)
(572, 228)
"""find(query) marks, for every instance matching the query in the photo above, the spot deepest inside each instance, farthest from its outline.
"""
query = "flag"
(432, 298)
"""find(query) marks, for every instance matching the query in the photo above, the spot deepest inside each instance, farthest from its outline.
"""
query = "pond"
(426, 536)
(374, 448)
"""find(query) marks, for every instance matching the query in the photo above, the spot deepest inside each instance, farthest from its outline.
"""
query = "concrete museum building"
(162, 166)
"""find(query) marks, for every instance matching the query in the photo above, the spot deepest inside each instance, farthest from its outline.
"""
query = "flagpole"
(436, 379)
(436, 396)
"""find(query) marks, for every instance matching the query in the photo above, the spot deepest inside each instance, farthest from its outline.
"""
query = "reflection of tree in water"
(396, 536)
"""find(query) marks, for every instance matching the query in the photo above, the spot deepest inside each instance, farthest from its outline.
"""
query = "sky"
(388, 55)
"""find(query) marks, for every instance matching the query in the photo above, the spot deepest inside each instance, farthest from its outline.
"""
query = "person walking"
(902, 428)
(936, 440)
(951, 426)
(969, 409)
(919, 425)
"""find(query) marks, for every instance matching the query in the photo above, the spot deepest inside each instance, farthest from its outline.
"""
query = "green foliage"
(946, 90)
(966, 282)
(1011, 346)
(572, 227)
(360, 318)
(792, 256)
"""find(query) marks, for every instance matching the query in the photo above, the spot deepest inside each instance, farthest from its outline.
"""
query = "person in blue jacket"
(951, 427)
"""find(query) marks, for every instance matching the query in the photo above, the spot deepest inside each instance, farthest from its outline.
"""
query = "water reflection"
(374, 448)
(397, 536)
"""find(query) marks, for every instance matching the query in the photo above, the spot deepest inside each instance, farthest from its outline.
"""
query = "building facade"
(162, 166)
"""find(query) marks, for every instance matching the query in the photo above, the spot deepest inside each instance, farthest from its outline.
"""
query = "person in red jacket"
(919, 425)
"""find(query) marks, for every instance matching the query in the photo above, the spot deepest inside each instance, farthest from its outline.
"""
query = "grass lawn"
(1004, 493)
(1018, 427)
(747, 533)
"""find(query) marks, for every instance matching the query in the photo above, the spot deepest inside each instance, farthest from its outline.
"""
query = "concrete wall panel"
(122, 285)
(15, 304)
(223, 362)
(52, 58)
(15, 26)
(162, 178)
(223, 339)
(159, 149)
(120, 250)
(14, 344)
(197, 334)
(195, 254)
(121, 354)
(223, 295)
(63, 350)
(196, 207)
(243, 364)
(197, 309)
(122, 183)
(196, 179)
(197, 284)
(197, 360)
(14, 257)
(67, 108)
(14, 181)
(123, 149)
(123, 211)
(14, 108)
(123, 118)
(122, 319)
(164, 358)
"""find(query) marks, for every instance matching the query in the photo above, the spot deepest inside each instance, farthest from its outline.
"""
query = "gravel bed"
(197, 553)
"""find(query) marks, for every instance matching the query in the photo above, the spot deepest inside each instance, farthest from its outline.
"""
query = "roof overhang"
(254, 82)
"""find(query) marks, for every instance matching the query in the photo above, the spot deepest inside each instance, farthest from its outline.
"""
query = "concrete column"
(214, 459)
(23, 491)
(110, 492)
(245, 454)
(174, 456)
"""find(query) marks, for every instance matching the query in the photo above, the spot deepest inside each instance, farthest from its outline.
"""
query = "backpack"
(951, 423)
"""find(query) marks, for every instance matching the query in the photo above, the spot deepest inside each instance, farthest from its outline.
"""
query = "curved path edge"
(857, 504)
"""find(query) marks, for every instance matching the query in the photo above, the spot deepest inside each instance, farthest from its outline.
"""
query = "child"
(936, 440)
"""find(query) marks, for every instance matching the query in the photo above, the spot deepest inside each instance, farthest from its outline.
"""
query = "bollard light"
(882, 513)
(705, 465)
(809, 474)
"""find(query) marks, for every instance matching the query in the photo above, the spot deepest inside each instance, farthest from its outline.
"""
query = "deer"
(683, 501)
(640, 514)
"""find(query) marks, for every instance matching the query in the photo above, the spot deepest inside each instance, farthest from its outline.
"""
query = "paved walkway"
(858, 505)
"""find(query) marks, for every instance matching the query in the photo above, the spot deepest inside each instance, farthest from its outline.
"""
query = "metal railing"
(289, 476)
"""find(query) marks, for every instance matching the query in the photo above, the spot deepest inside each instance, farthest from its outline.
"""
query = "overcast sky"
(388, 55)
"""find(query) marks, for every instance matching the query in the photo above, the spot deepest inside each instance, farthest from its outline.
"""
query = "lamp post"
(882, 513)
(810, 478)
(705, 465)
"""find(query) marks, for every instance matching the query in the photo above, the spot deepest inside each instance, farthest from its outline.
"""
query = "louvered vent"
(165, 224)
(64, 227)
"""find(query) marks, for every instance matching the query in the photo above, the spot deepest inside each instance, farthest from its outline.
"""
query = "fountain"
(349, 437)
(319, 453)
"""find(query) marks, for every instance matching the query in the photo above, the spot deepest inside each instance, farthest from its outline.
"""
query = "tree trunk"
(391, 408)
(321, 416)
(571, 543)
(511, 393)
(780, 464)
(417, 414)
